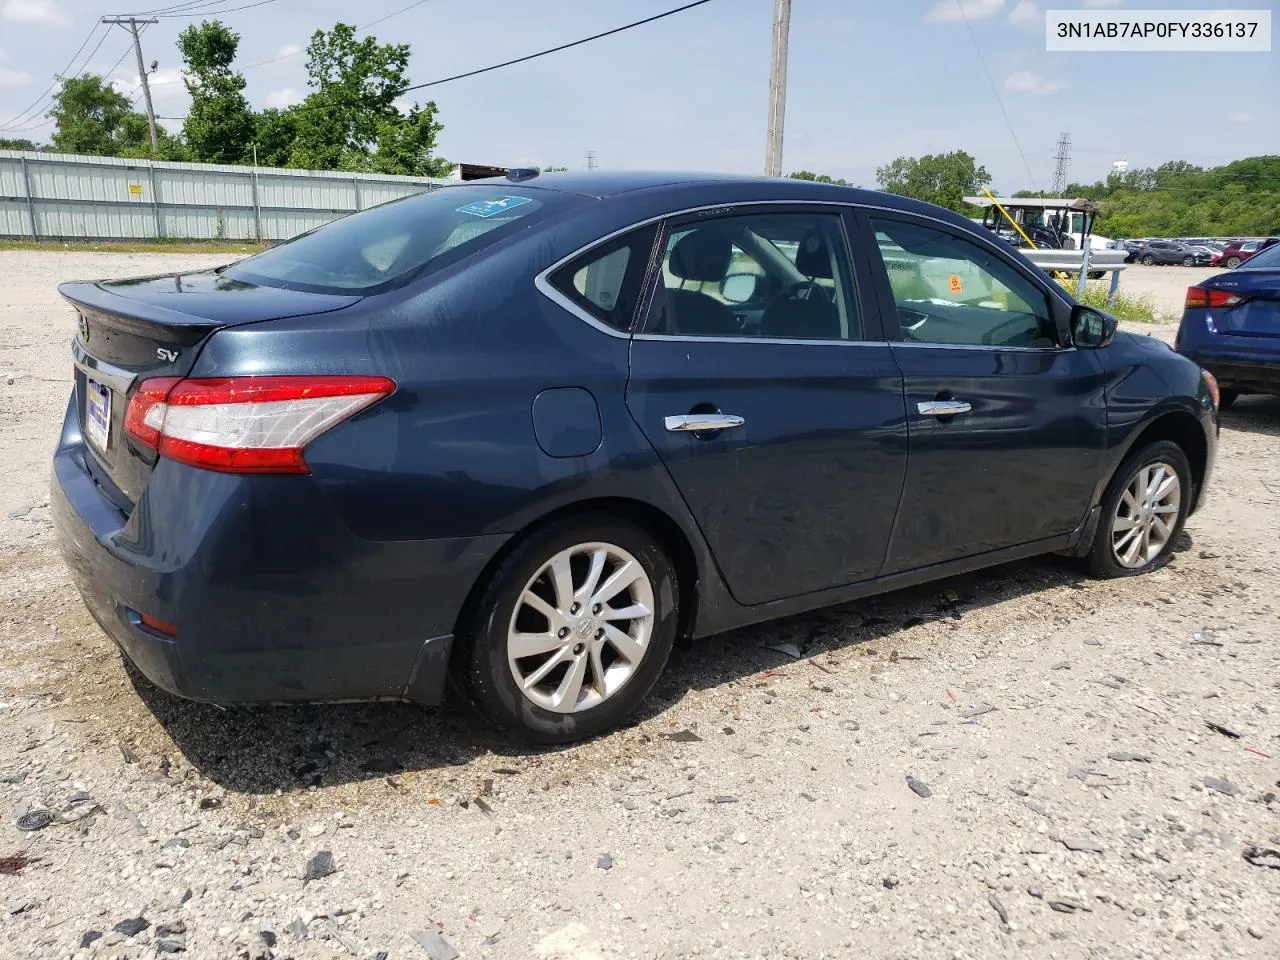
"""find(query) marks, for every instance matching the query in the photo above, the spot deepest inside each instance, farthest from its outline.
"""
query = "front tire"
(1188, 261)
(1148, 260)
(1143, 512)
(571, 631)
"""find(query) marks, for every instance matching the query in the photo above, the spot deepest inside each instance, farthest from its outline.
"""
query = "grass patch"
(134, 246)
(1126, 307)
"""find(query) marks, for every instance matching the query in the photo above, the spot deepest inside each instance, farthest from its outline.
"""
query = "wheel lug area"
(600, 633)
(595, 610)
(575, 608)
(578, 648)
(562, 632)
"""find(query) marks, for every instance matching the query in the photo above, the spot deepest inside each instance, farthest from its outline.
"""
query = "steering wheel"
(989, 337)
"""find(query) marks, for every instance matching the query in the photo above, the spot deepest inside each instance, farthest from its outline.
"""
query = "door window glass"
(950, 290)
(772, 276)
(606, 281)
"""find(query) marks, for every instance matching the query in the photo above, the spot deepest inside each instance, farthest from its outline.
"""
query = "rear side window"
(389, 245)
(1269, 257)
(605, 282)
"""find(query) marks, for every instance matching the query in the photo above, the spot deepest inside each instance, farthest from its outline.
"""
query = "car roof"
(603, 184)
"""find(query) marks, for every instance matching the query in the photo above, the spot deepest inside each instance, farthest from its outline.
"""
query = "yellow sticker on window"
(135, 189)
(956, 285)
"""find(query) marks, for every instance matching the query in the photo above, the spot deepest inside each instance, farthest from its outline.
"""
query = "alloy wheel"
(581, 627)
(1146, 515)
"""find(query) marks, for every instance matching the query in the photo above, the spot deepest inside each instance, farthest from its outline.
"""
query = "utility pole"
(132, 23)
(777, 87)
(1062, 160)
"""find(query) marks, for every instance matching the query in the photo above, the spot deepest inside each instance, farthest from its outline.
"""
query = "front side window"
(950, 290)
(771, 276)
(388, 245)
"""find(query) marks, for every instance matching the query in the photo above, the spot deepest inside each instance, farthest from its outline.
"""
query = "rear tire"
(1227, 397)
(1128, 516)
(1233, 262)
(593, 685)
(1148, 260)
(1188, 261)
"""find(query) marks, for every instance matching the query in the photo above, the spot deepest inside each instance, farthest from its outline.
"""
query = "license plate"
(97, 408)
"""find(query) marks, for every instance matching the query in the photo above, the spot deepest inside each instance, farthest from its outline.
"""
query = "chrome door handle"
(700, 422)
(942, 408)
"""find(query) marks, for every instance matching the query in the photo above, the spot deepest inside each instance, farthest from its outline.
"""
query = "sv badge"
(168, 356)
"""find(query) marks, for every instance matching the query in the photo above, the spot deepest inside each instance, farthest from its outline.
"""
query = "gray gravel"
(785, 826)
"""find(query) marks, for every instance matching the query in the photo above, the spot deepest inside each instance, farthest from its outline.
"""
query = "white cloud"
(288, 50)
(34, 11)
(283, 98)
(1027, 81)
(973, 9)
(14, 78)
(1025, 11)
(1241, 118)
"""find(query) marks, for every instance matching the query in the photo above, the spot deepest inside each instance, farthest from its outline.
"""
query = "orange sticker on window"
(956, 285)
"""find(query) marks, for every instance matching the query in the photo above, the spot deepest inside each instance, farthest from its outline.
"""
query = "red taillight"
(1208, 297)
(245, 424)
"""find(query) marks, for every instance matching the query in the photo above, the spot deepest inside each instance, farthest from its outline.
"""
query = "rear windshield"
(1269, 257)
(389, 245)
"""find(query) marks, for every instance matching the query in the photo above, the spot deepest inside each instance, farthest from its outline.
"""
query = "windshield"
(1269, 257)
(388, 245)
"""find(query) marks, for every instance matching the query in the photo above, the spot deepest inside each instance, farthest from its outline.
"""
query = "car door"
(1006, 419)
(777, 409)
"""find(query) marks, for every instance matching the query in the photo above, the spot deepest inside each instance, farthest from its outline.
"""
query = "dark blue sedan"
(527, 431)
(1231, 326)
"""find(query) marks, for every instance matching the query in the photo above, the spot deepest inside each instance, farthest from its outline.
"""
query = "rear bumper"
(1241, 371)
(274, 599)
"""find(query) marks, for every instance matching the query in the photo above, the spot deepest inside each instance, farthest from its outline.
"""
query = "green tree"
(943, 178)
(351, 116)
(405, 144)
(17, 144)
(274, 132)
(219, 126)
(91, 117)
(818, 178)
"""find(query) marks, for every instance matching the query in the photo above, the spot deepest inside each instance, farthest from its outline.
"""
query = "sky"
(868, 81)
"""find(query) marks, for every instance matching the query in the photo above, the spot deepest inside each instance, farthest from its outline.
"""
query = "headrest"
(813, 258)
(702, 255)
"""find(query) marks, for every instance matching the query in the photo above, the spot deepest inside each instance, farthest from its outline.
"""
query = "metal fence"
(54, 195)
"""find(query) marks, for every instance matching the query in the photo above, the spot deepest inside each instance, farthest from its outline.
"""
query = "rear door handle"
(702, 422)
(942, 408)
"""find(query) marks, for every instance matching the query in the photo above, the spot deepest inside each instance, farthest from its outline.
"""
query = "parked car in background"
(1171, 251)
(1231, 327)
(529, 430)
(1239, 252)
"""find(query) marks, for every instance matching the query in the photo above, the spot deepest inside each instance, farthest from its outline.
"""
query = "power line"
(563, 46)
(214, 13)
(996, 91)
(393, 13)
(26, 114)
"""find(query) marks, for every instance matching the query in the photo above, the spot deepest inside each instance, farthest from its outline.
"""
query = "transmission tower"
(1062, 160)
(591, 160)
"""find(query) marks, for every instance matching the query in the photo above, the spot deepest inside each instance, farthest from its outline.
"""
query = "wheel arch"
(1178, 426)
(644, 515)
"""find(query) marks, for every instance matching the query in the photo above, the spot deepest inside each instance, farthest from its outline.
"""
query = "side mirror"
(739, 287)
(1091, 329)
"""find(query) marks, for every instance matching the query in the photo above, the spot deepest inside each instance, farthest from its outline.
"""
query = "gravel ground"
(1019, 763)
(1166, 286)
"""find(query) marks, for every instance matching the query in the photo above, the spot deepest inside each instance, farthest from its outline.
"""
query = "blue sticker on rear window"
(491, 208)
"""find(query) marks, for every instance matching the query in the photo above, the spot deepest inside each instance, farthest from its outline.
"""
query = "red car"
(1237, 253)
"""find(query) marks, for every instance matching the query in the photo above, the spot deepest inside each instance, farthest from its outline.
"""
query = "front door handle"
(942, 408)
(702, 422)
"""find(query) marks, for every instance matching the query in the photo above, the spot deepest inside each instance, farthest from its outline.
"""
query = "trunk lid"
(132, 330)
(1259, 315)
